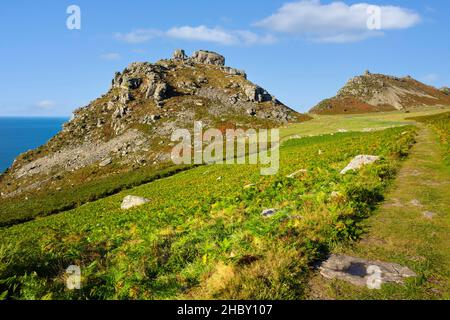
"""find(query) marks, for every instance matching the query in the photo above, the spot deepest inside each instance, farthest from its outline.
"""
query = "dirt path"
(412, 228)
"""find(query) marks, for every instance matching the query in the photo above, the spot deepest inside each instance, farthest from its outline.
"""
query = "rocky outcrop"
(257, 94)
(179, 55)
(208, 57)
(445, 90)
(234, 72)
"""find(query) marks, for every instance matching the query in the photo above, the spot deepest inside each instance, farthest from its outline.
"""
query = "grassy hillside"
(324, 124)
(45, 202)
(202, 235)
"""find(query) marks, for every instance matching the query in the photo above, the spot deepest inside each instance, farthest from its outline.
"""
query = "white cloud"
(199, 33)
(45, 104)
(337, 21)
(202, 33)
(138, 35)
(110, 56)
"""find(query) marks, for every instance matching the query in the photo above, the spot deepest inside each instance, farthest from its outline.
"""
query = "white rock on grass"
(429, 214)
(105, 162)
(268, 213)
(296, 173)
(133, 201)
(359, 161)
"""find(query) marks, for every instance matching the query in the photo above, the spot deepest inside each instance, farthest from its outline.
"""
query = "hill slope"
(130, 126)
(377, 92)
(201, 237)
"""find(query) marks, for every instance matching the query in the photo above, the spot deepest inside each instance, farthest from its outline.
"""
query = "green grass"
(202, 235)
(440, 123)
(357, 122)
(40, 204)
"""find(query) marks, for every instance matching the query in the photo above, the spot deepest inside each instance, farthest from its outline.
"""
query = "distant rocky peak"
(373, 92)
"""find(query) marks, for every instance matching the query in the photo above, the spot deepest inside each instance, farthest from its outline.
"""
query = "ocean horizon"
(19, 134)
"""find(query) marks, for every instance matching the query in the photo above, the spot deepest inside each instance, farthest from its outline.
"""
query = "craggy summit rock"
(208, 57)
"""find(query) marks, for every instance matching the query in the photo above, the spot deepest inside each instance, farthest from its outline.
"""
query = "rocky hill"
(130, 126)
(378, 92)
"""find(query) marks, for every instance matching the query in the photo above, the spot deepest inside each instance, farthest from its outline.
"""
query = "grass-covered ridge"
(46, 202)
(202, 235)
(440, 123)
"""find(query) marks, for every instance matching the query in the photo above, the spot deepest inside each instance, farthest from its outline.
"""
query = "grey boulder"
(361, 272)
(359, 161)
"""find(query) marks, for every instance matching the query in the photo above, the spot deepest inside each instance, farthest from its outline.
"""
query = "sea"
(20, 134)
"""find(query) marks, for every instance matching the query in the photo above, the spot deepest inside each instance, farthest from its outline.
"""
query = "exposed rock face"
(132, 123)
(133, 201)
(358, 162)
(161, 91)
(257, 94)
(208, 57)
(179, 55)
(234, 72)
(362, 272)
(445, 90)
(72, 158)
(377, 92)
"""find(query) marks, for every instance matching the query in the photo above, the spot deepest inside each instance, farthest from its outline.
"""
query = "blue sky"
(300, 51)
